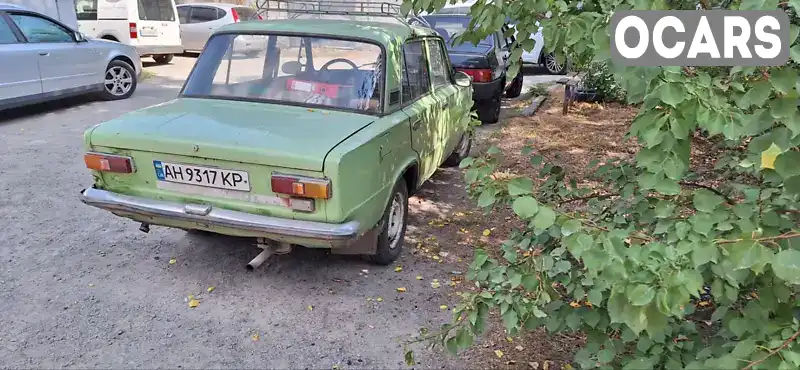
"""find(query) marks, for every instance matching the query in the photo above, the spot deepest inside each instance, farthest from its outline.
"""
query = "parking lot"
(81, 288)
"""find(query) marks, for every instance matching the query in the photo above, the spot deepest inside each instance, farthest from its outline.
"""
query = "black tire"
(163, 58)
(489, 111)
(461, 151)
(388, 249)
(515, 90)
(122, 79)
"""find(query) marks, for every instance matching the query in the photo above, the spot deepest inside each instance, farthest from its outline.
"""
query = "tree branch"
(715, 191)
(774, 351)
(789, 235)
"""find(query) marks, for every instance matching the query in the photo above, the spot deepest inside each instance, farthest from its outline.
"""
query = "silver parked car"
(199, 20)
(42, 59)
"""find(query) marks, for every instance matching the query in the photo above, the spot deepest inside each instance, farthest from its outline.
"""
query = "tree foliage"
(660, 266)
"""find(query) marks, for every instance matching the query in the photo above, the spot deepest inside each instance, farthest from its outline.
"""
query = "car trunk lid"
(246, 132)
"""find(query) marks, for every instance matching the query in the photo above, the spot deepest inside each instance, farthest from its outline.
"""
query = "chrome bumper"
(337, 235)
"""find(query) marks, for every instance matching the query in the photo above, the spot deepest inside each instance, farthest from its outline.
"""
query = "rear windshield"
(305, 71)
(449, 27)
(244, 13)
(156, 10)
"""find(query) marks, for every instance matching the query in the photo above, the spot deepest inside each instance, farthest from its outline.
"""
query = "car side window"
(183, 14)
(439, 68)
(86, 10)
(7, 35)
(39, 30)
(203, 14)
(416, 82)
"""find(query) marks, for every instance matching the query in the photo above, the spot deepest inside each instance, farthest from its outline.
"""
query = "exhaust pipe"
(260, 258)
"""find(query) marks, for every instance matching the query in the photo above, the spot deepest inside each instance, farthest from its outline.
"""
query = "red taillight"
(108, 162)
(235, 15)
(305, 187)
(132, 29)
(478, 75)
(259, 17)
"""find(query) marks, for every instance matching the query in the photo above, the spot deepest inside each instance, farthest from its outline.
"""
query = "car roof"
(217, 5)
(7, 6)
(379, 32)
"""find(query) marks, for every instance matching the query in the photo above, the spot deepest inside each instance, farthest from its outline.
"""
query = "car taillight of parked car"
(108, 162)
(134, 33)
(478, 75)
(235, 15)
(301, 186)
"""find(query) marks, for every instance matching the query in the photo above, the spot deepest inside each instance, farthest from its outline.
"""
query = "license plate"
(202, 176)
(148, 32)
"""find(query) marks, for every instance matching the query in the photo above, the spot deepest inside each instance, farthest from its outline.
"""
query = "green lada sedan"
(317, 141)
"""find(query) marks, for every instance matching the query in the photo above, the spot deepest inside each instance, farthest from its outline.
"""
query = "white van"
(151, 26)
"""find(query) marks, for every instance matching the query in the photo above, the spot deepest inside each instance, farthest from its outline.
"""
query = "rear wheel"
(489, 110)
(552, 65)
(162, 59)
(120, 81)
(515, 90)
(393, 226)
(461, 151)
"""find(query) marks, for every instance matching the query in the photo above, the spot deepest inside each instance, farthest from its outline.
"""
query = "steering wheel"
(337, 60)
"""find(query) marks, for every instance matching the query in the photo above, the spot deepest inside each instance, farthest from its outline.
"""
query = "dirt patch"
(447, 227)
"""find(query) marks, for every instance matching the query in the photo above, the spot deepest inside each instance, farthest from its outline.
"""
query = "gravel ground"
(82, 288)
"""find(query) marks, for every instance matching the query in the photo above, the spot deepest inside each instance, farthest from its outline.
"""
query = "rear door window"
(183, 14)
(417, 81)
(86, 10)
(440, 73)
(156, 10)
(7, 36)
(201, 14)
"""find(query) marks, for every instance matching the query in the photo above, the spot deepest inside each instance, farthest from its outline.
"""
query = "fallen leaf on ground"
(379, 299)
(435, 257)
(191, 297)
(172, 261)
(255, 337)
(519, 348)
(574, 304)
(401, 290)
(369, 299)
(193, 303)
(210, 289)
(546, 365)
(534, 365)
(444, 306)
(498, 353)
(310, 308)
(435, 284)
(509, 339)
(419, 277)
(460, 214)
(91, 285)
(398, 269)
(487, 232)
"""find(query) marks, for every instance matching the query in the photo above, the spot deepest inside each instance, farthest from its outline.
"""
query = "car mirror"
(291, 67)
(79, 37)
(463, 79)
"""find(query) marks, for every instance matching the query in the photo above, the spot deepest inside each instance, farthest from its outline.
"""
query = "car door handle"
(44, 53)
(415, 125)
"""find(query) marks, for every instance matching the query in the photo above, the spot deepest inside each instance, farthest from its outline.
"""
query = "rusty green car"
(318, 141)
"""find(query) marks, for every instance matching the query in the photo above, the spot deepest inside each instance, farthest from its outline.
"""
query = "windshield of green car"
(294, 70)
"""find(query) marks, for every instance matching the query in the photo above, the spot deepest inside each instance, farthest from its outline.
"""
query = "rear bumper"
(169, 213)
(147, 50)
(483, 91)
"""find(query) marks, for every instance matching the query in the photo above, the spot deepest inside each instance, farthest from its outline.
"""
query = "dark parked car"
(487, 63)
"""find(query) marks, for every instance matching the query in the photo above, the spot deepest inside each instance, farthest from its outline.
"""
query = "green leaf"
(783, 79)
(544, 218)
(744, 348)
(786, 266)
(704, 253)
(605, 356)
(530, 282)
(642, 295)
(595, 296)
(668, 186)
(525, 207)
(409, 357)
(672, 93)
(480, 257)
(756, 95)
(707, 201)
(452, 346)
(794, 52)
(561, 267)
(570, 227)
(466, 162)
(487, 198)
(510, 319)
(787, 164)
(520, 186)
(752, 5)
